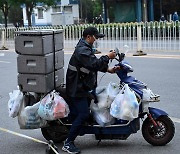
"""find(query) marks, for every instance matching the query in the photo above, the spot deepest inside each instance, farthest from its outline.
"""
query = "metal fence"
(156, 36)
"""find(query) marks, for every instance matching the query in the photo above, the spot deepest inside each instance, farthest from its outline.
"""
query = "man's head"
(90, 34)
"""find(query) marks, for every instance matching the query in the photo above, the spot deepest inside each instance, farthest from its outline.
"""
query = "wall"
(68, 18)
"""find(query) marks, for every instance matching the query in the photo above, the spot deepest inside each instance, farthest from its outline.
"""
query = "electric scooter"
(157, 128)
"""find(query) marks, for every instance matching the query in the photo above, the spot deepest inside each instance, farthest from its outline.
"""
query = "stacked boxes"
(40, 60)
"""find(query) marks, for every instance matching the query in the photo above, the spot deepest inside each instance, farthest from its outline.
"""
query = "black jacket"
(82, 70)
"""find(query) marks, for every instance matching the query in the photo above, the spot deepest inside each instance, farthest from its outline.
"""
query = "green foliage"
(1, 18)
(17, 19)
(86, 11)
(97, 8)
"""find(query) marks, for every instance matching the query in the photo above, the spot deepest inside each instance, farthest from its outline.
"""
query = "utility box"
(39, 42)
(40, 83)
(40, 64)
(40, 60)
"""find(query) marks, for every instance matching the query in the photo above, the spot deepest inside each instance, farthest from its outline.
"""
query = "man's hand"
(111, 54)
(113, 69)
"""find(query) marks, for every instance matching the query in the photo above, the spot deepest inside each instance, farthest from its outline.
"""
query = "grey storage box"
(30, 64)
(39, 42)
(40, 83)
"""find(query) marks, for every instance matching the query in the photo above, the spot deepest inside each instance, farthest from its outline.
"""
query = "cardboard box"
(30, 64)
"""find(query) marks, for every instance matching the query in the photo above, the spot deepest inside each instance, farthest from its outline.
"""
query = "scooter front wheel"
(160, 136)
(56, 133)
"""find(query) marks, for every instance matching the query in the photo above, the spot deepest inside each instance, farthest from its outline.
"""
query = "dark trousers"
(79, 113)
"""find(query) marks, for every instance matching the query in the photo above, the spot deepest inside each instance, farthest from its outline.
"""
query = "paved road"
(160, 72)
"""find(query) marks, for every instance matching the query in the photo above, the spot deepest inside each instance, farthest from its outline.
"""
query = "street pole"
(104, 8)
(139, 51)
(3, 41)
(145, 10)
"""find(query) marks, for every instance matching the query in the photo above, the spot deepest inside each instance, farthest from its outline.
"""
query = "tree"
(171, 6)
(86, 11)
(17, 19)
(30, 4)
(97, 7)
(165, 7)
(5, 6)
(90, 9)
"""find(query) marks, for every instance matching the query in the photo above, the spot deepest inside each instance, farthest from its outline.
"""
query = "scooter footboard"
(156, 113)
(130, 128)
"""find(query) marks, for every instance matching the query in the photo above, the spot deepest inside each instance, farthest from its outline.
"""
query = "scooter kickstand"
(98, 142)
(49, 150)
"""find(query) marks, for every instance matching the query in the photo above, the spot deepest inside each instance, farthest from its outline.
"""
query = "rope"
(28, 137)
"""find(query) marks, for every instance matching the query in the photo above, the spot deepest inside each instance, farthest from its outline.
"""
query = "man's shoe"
(70, 148)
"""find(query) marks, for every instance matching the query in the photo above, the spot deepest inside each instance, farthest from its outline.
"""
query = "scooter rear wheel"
(161, 136)
(56, 133)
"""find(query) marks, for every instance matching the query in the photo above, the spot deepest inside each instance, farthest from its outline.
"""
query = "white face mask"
(95, 44)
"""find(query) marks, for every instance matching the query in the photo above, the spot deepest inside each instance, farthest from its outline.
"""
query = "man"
(162, 18)
(175, 17)
(81, 78)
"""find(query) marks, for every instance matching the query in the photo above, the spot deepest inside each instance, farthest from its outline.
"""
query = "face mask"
(93, 50)
(95, 44)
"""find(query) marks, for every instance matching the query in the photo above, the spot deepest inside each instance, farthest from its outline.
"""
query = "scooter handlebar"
(120, 55)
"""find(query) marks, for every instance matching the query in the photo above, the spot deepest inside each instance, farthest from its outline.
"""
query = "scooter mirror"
(125, 49)
(116, 51)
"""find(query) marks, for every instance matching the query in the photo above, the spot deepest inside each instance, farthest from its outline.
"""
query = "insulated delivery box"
(40, 60)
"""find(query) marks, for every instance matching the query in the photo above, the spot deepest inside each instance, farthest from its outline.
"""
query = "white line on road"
(2, 54)
(7, 62)
(177, 120)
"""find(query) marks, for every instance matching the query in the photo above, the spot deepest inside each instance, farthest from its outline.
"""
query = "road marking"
(2, 54)
(161, 56)
(177, 120)
(7, 62)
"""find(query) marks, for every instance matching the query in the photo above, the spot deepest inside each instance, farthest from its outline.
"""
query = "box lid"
(40, 32)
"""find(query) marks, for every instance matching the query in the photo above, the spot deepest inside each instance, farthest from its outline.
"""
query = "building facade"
(64, 13)
(139, 10)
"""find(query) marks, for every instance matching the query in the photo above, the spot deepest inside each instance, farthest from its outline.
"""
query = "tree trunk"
(5, 21)
(5, 10)
(29, 9)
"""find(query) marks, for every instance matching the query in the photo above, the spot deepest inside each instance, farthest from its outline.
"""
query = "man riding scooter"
(81, 79)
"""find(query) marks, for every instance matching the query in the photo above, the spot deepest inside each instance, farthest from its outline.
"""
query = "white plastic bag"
(52, 107)
(147, 95)
(104, 101)
(112, 90)
(14, 103)
(125, 105)
(102, 116)
(106, 98)
(29, 118)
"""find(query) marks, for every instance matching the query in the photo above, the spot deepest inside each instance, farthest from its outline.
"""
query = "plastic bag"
(125, 105)
(104, 101)
(147, 95)
(106, 98)
(112, 90)
(14, 103)
(52, 107)
(102, 116)
(29, 118)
